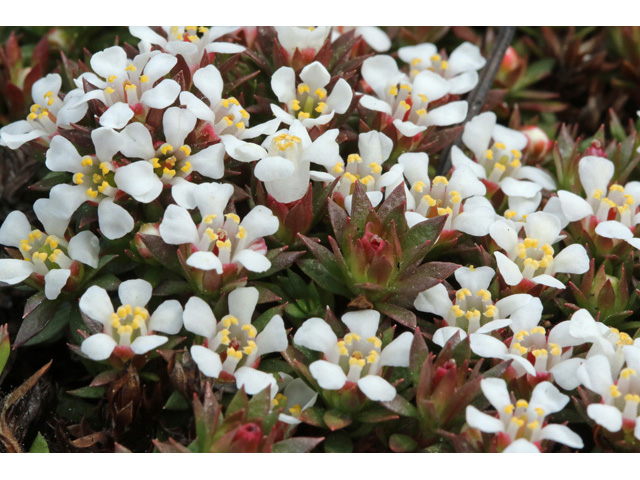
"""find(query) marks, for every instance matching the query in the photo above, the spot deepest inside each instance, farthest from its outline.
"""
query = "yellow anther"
(351, 337)
(455, 196)
(616, 188)
(509, 409)
(240, 125)
(86, 161)
(393, 90)
(628, 372)
(225, 103)
(24, 245)
(623, 208)
(342, 348)
(517, 421)
(186, 168)
(530, 262)
(109, 90)
(136, 323)
(233, 217)
(91, 193)
(40, 256)
(115, 321)
(614, 392)
(490, 311)
(519, 348)
(597, 194)
(103, 186)
(418, 186)
(43, 115)
(232, 352)
(295, 410)
(521, 335)
(210, 218)
(34, 108)
(539, 352)
(96, 178)
(229, 320)
(250, 329)
(457, 311)
(534, 425)
(463, 292)
(131, 86)
(415, 61)
(303, 88)
(367, 180)
(338, 167)
(538, 330)
(32, 116)
(242, 232)
(515, 163)
(376, 341)
(295, 105)
(628, 199)
(350, 177)
(144, 78)
(373, 356)
(122, 311)
(472, 313)
(489, 154)
(522, 404)
(169, 172)
(516, 153)
(321, 93)
(444, 65)
(485, 294)
(530, 242)
(244, 113)
(186, 149)
(321, 106)
(423, 97)
(50, 102)
(249, 348)
(625, 339)
(500, 146)
(112, 78)
(406, 87)
(354, 157)
(361, 362)
(440, 180)
(226, 244)
(547, 249)
(630, 397)
(303, 115)
(421, 112)
(405, 105)
(435, 58)
(78, 178)
(166, 148)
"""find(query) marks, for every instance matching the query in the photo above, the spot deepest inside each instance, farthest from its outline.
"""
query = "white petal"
(14, 271)
(112, 60)
(483, 422)
(117, 116)
(548, 280)
(376, 388)
(98, 347)
(340, 97)
(474, 280)
(572, 259)
(167, 317)
(242, 151)
(135, 292)
(162, 95)
(574, 207)
(315, 75)
(613, 229)
(449, 114)
(315, 334)
(259, 223)
(208, 362)
(178, 123)
(254, 381)
(146, 343)
(274, 168)
(431, 84)
(546, 395)
(396, 354)
(379, 71)
(273, 338)
(465, 58)
(487, 346)
(158, 66)
(135, 141)
(495, 389)
(478, 131)
(508, 269)
(408, 129)
(372, 103)
(139, 180)
(459, 159)
(561, 434)
(209, 82)
(564, 373)
(54, 282)
(606, 415)
(210, 161)
(205, 261)
(85, 247)
(252, 260)
(198, 318)
(328, 375)
(113, 220)
(444, 334)
(595, 173)
(224, 47)
(362, 322)
(15, 228)
(96, 304)
(375, 37)
(519, 188)
(521, 445)
(62, 156)
(242, 303)
(539, 176)
(463, 83)
(434, 300)
(505, 235)
(511, 138)
(177, 226)
(183, 192)
(197, 107)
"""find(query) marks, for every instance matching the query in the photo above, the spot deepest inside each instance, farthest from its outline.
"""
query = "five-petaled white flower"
(521, 425)
(308, 40)
(358, 357)
(129, 330)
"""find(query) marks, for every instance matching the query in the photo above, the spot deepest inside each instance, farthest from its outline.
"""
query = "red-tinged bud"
(138, 110)
(123, 353)
(294, 217)
(372, 245)
(445, 384)
(247, 439)
(77, 274)
(140, 245)
(510, 61)
(595, 149)
(349, 399)
(206, 135)
(538, 143)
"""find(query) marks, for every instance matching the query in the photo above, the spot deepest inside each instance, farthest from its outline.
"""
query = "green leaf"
(58, 324)
(320, 275)
(88, 392)
(5, 348)
(176, 402)
(39, 445)
(109, 282)
(338, 442)
(402, 443)
(336, 420)
(376, 415)
(297, 445)
(36, 321)
(313, 416)
(401, 406)
(429, 230)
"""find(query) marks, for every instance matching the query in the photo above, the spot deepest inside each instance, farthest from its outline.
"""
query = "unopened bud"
(538, 143)
(510, 61)
(596, 150)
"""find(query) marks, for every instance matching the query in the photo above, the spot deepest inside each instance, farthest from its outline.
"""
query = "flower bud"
(510, 61)
(538, 143)
(595, 149)
(247, 439)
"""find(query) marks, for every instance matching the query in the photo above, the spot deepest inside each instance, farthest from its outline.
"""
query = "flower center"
(532, 259)
(500, 163)
(97, 176)
(128, 323)
(308, 104)
(618, 205)
(171, 162)
(44, 251)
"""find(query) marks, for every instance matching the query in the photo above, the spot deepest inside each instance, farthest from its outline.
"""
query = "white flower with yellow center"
(171, 163)
(308, 39)
(442, 196)
(189, 42)
(233, 342)
(522, 423)
(620, 398)
(285, 159)
(48, 113)
(408, 101)
(220, 238)
(498, 154)
(46, 255)
(364, 167)
(120, 80)
(295, 398)
(614, 205)
(226, 116)
(533, 258)
(309, 101)
(130, 329)
(460, 68)
(358, 357)
(93, 181)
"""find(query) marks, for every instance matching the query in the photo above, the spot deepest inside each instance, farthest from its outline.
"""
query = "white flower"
(365, 167)
(427, 199)
(120, 80)
(130, 329)
(233, 342)
(356, 358)
(93, 178)
(309, 101)
(308, 39)
(189, 42)
(375, 37)
(615, 206)
(522, 419)
(285, 159)
(49, 256)
(295, 398)
(533, 258)
(224, 115)
(460, 69)
(46, 115)
(220, 239)
(497, 152)
(620, 398)
(406, 101)
(172, 163)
